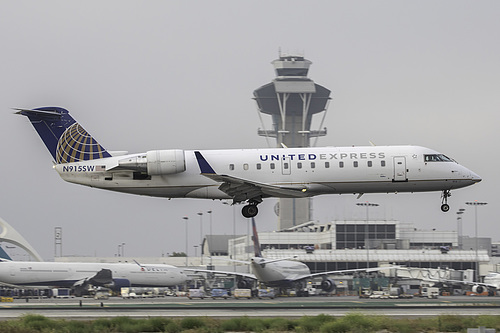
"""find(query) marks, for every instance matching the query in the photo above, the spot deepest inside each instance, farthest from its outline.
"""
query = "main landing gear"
(444, 200)
(250, 210)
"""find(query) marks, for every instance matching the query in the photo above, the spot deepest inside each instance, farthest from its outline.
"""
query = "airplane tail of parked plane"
(255, 238)
(65, 139)
(4, 256)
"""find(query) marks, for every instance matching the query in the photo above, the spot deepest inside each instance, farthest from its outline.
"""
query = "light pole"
(185, 218)
(459, 227)
(209, 212)
(475, 204)
(367, 205)
(123, 249)
(201, 237)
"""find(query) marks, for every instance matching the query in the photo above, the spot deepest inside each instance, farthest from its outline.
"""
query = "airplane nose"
(475, 177)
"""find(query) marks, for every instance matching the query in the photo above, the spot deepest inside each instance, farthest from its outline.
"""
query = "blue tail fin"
(4, 255)
(65, 139)
(255, 238)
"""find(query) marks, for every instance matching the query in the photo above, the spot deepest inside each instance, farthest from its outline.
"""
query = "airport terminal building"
(342, 245)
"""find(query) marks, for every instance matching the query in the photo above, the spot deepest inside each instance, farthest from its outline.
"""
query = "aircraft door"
(400, 169)
(286, 165)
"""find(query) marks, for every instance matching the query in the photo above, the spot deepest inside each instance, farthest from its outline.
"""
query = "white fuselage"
(315, 171)
(63, 274)
(493, 279)
(278, 272)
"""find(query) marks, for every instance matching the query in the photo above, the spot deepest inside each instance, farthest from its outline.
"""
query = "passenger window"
(327, 165)
(341, 164)
(355, 163)
(231, 167)
(369, 164)
(285, 165)
(313, 165)
(382, 163)
(245, 166)
(259, 166)
(272, 166)
(299, 165)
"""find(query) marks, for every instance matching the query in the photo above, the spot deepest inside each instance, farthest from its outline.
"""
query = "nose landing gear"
(444, 201)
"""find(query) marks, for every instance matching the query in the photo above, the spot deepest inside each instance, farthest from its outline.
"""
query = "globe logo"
(77, 145)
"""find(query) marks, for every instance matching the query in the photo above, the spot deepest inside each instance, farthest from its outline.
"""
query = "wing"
(243, 275)
(308, 276)
(101, 278)
(243, 189)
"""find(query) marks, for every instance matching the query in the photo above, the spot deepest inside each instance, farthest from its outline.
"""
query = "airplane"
(245, 175)
(491, 281)
(79, 276)
(283, 273)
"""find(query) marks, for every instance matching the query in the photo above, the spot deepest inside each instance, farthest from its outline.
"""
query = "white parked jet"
(245, 175)
(284, 273)
(80, 275)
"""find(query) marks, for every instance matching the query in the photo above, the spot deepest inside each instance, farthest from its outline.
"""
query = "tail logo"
(75, 145)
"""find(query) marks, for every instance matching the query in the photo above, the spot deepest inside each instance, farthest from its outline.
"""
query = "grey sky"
(180, 74)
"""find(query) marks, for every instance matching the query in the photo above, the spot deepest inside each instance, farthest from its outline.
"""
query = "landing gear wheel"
(250, 211)
(444, 200)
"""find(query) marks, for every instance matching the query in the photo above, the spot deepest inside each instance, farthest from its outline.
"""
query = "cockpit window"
(437, 158)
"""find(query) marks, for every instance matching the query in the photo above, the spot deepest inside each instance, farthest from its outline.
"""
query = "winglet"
(203, 164)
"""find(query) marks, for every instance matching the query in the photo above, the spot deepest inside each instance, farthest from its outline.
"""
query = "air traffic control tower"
(292, 99)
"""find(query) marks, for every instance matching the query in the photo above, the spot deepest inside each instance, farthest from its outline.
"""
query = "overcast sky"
(143, 75)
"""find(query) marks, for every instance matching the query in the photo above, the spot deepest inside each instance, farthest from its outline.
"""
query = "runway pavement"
(290, 307)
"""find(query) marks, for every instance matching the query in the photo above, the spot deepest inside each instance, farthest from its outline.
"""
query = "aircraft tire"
(249, 211)
(445, 207)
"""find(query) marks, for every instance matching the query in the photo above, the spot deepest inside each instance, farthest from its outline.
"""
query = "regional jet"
(283, 273)
(245, 175)
(81, 276)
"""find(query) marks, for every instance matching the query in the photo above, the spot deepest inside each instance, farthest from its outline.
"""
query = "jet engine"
(244, 284)
(328, 285)
(117, 284)
(156, 162)
(478, 289)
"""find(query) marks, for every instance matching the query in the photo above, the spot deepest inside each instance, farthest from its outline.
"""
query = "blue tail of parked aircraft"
(65, 139)
(3, 255)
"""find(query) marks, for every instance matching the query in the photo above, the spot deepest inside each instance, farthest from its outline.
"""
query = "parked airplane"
(491, 281)
(80, 276)
(245, 175)
(284, 273)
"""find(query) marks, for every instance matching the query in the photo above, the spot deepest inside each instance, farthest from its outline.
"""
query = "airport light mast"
(292, 99)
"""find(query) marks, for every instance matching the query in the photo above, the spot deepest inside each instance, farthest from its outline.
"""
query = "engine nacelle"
(244, 284)
(156, 162)
(117, 284)
(478, 289)
(328, 285)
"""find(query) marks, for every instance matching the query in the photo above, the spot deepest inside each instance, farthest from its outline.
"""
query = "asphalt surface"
(290, 307)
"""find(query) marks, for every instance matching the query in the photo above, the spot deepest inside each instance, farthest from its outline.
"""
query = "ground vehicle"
(430, 292)
(222, 293)
(242, 293)
(196, 293)
(261, 293)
